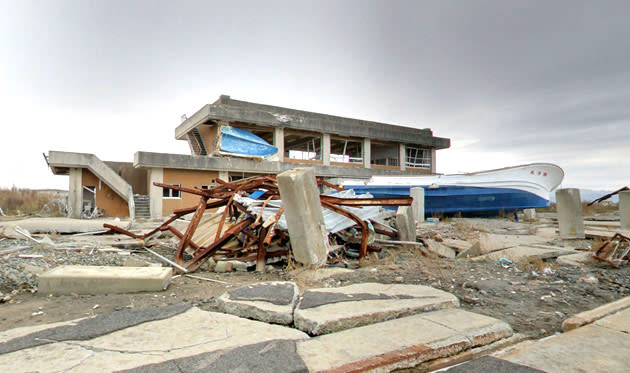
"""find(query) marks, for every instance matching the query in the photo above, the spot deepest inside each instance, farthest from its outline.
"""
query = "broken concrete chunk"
(406, 224)
(328, 310)
(223, 266)
(271, 302)
(439, 249)
(527, 253)
(489, 242)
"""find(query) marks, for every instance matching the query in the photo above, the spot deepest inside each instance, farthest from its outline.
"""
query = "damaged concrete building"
(336, 147)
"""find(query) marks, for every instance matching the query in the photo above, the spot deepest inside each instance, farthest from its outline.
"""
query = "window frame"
(172, 192)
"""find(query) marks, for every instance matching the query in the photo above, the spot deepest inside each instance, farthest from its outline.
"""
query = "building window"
(384, 154)
(205, 187)
(303, 147)
(346, 151)
(418, 157)
(171, 193)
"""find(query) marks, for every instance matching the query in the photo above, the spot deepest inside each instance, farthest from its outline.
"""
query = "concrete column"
(529, 214)
(278, 142)
(367, 153)
(156, 175)
(569, 206)
(402, 156)
(303, 213)
(417, 206)
(406, 224)
(224, 175)
(433, 160)
(326, 149)
(75, 193)
(624, 209)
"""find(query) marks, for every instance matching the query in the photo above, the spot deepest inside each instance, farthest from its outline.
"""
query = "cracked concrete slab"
(492, 364)
(591, 348)
(272, 301)
(271, 356)
(89, 328)
(186, 334)
(401, 343)
(327, 310)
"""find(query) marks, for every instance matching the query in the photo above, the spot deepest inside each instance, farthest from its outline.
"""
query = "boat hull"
(462, 199)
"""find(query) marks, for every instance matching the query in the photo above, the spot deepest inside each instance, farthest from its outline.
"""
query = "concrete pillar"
(417, 206)
(402, 157)
(156, 175)
(367, 153)
(624, 209)
(326, 149)
(433, 160)
(529, 214)
(569, 206)
(406, 224)
(224, 175)
(278, 142)
(75, 193)
(303, 212)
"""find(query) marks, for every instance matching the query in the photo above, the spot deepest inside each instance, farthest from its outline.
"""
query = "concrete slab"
(401, 343)
(491, 364)
(525, 253)
(439, 249)
(577, 260)
(185, 335)
(271, 301)
(619, 321)
(103, 280)
(595, 314)
(328, 310)
(313, 275)
(489, 242)
(590, 348)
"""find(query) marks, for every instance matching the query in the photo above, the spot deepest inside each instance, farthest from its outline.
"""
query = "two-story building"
(336, 147)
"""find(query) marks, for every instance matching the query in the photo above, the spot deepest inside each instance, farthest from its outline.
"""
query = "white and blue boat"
(479, 193)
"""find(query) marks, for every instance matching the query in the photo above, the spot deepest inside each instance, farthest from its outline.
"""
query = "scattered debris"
(615, 251)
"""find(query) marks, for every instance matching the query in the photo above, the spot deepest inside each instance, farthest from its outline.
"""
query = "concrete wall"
(136, 177)
(186, 178)
(107, 200)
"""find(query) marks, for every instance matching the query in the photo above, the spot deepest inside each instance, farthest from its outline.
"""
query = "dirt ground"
(534, 298)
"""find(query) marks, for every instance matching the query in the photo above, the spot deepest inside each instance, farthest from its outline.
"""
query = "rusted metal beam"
(399, 201)
(356, 219)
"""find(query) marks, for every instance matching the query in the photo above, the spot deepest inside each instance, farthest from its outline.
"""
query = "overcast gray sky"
(510, 82)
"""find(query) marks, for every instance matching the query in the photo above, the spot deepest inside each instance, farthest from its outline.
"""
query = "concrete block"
(439, 249)
(328, 310)
(569, 205)
(303, 212)
(271, 301)
(223, 266)
(406, 224)
(527, 253)
(624, 209)
(103, 280)
(489, 242)
(529, 214)
(577, 260)
(401, 343)
(417, 206)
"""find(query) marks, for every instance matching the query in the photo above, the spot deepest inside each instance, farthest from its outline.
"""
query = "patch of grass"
(18, 201)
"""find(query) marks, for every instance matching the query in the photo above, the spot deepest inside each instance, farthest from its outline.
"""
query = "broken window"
(346, 151)
(171, 193)
(303, 147)
(384, 154)
(418, 157)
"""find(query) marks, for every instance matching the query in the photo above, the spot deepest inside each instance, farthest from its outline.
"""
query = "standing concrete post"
(417, 205)
(624, 209)
(367, 153)
(156, 175)
(529, 214)
(303, 212)
(278, 142)
(570, 221)
(402, 156)
(326, 149)
(406, 224)
(75, 193)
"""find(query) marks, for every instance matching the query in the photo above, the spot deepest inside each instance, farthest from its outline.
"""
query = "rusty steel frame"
(613, 256)
(257, 234)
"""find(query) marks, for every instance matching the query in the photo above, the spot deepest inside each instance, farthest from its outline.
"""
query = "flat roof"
(229, 110)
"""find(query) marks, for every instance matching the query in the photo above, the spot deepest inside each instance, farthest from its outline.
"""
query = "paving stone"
(194, 332)
(313, 275)
(526, 253)
(489, 242)
(70, 279)
(271, 301)
(577, 260)
(327, 310)
(491, 364)
(619, 321)
(401, 343)
(595, 314)
(590, 348)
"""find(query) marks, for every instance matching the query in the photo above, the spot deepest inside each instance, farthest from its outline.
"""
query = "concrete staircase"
(142, 206)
